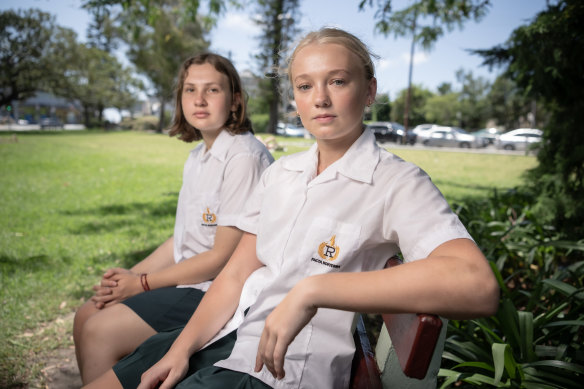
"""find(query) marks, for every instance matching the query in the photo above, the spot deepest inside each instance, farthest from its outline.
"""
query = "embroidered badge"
(328, 251)
(209, 218)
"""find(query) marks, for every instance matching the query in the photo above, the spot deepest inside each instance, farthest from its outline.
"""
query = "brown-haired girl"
(162, 291)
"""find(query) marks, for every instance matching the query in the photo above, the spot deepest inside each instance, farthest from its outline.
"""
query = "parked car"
(451, 137)
(48, 123)
(287, 129)
(519, 139)
(391, 132)
(490, 134)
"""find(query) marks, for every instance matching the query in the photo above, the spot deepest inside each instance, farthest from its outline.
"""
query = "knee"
(83, 314)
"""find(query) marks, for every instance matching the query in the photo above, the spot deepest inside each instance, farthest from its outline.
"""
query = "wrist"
(144, 282)
(307, 290)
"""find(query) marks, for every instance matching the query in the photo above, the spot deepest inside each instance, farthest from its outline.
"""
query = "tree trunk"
(161, 115)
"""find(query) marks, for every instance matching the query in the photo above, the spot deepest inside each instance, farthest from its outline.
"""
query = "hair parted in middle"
(237, 121)
(337, 36)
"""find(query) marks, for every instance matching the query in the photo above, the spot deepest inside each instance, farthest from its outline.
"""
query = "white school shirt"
(360, 211)
(217, 183)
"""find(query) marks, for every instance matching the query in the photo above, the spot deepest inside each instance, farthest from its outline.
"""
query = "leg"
(107, 380)
(83, 313)
(108, 336)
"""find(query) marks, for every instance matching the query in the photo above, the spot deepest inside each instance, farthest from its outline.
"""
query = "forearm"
(221, 300)
(456, 287)
(159, 259)
(201, 267)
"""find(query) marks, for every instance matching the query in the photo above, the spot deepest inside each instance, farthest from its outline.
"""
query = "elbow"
(491, 303)
(488, 303)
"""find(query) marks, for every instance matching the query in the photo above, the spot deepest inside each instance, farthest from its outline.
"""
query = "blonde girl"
(318, 231)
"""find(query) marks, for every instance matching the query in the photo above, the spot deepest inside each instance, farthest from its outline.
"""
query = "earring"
(234, 116)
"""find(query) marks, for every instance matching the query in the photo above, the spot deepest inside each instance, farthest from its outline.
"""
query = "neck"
(209, 137)
(330, 151)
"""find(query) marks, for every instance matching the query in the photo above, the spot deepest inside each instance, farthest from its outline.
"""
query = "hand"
(104, 288)
(168, 372)
(280, 329)
(117, 285)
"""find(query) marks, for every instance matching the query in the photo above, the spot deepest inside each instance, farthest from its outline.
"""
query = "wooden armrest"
(364, 371)
(413, 336)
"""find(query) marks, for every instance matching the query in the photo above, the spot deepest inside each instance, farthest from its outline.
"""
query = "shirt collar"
(221, 145)
(358, 162)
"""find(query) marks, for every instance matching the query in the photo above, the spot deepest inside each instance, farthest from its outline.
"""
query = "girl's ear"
(236, 101)
(372, 89)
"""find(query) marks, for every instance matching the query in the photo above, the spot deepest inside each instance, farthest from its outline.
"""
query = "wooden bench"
(407, 346)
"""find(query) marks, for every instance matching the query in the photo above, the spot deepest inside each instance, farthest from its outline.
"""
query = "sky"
(235, 36)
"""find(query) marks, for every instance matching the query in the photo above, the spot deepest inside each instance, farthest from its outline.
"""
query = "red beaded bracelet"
(144, 282)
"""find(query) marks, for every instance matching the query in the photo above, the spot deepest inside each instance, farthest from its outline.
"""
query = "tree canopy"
(546, 60)
(25, 45)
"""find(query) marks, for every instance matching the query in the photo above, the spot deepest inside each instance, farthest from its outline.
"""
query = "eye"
(303, 87)
(338, 82)
(213, 90)
(188, 89)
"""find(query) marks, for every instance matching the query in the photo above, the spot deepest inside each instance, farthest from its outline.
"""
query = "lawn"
(74, 204)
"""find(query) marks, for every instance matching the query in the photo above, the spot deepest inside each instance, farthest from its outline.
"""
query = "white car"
(520, 139)
(288, 129)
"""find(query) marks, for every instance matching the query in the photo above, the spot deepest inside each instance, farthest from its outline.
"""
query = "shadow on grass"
(9, 265)
(132, 215)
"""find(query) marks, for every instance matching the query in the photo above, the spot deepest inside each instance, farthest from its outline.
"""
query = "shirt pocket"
(201, 219)
(329, 245)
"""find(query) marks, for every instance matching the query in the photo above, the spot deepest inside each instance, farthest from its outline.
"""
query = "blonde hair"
(340, 37)
(237, 121)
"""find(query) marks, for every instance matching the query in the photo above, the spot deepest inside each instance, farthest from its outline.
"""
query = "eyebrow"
(205, 84)
(328, 74)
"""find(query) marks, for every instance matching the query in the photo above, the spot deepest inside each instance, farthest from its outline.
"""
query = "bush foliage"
(536, 338)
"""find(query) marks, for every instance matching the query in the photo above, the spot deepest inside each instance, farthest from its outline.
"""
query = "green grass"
(74, 204)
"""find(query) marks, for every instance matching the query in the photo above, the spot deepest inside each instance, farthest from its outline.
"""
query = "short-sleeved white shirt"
(352, 217)
(217, 183)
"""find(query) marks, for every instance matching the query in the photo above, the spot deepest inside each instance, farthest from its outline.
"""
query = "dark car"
(391, 132)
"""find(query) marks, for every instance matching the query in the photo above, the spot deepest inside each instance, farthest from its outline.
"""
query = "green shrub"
(535, 340)
(260, 122)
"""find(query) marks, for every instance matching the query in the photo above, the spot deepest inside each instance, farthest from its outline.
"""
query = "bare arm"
(455, 281)
(216, 308)
(160, 258)
(202, 267)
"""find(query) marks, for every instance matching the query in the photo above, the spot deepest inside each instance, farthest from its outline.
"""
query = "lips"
(324, 118)
(201, 115)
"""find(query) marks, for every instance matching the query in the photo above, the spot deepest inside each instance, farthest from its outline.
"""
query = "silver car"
(450, 137)
(520, 139)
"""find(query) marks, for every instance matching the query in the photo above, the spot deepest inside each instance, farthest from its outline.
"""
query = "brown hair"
(340, 37)
(237, 122)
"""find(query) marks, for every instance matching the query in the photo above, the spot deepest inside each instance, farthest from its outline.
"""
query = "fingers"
(271, 353)
(108, 283)
(114, 270)
(167, 375)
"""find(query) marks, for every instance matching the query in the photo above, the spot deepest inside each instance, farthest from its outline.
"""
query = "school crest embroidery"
(328, 250)
(209, 218)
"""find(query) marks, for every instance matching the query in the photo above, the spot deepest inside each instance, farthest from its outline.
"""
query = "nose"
(200, 99)
(322, 99)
